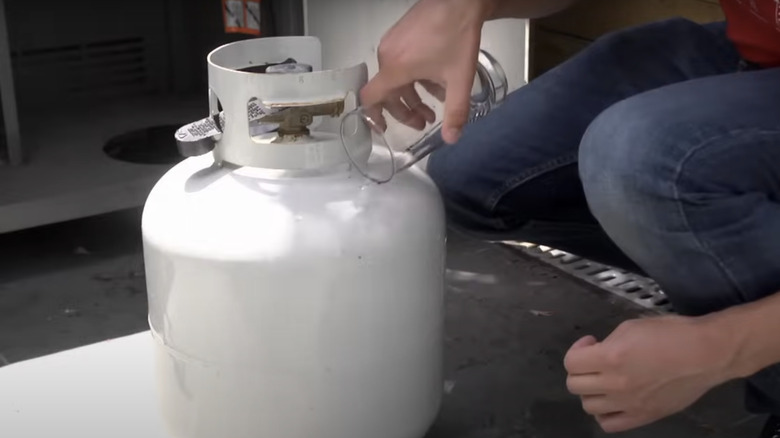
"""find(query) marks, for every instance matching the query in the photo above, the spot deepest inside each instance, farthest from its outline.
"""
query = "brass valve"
(294, 119)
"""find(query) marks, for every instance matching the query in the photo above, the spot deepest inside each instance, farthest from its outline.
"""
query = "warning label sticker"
(253, 16)
(242, 16)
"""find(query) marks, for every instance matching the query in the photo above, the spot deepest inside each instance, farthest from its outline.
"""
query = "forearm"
(751, 335)
(527, 8)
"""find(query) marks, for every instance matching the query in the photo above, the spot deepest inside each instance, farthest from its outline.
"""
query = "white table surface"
(105, 390)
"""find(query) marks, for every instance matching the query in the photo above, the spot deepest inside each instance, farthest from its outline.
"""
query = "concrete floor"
(510, 320)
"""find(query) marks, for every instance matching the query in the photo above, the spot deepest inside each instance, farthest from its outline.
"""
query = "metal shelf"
(81, 83)
(67, 175)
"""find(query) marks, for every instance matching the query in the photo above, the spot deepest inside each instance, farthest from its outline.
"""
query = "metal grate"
(635, 288)
(102, 69)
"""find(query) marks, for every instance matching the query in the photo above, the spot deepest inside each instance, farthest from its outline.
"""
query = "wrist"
(746, 336)
(720, 331)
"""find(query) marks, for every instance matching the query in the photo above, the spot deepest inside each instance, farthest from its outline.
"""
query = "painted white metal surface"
(293, 305)
(98, 391)
(235, 89)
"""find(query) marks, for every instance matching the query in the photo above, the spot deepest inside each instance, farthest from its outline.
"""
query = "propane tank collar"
(289, 100)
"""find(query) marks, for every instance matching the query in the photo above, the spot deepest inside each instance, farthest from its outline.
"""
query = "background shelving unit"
(75, 74)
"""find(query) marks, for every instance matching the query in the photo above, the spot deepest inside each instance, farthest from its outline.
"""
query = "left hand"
(646, 370)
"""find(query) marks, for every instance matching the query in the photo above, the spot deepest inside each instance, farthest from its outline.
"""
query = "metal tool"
(493, 89)
(293, 121)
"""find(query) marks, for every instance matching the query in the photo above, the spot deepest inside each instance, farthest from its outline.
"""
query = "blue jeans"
(650, 150)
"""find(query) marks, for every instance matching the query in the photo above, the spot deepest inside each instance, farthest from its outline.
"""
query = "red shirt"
(754, 27)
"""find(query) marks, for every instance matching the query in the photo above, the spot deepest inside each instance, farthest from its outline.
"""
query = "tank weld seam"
(184, 357)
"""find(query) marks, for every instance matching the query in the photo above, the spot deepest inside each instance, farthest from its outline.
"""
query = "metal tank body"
(289, 296)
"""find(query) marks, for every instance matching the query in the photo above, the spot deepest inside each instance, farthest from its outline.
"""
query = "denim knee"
(621, 165)
(627, 167)
(660, 183)
(456, 176)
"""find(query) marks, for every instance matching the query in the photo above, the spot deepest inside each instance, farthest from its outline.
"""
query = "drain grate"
(635, 288)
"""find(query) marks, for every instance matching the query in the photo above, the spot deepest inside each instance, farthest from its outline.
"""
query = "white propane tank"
(289, 296)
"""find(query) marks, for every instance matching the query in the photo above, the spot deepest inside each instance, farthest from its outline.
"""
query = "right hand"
(436, 43)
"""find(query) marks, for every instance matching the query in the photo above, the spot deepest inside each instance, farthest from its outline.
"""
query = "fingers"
(599, 405)
(371, 96)
(415, 103)
(407, 107)
(459, 82)
(586, 356)
(586, 341)
(434, 89)
(382, 85)
(456, 107)
(457, 102)
(587, 384)
(399, 111)
(404, 105)
(375, 120)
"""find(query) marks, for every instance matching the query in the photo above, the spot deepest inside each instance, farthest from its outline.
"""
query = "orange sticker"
(242, 16)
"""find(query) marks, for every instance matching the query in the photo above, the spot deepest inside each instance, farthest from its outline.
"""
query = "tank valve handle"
(200, 137)
(293, 120)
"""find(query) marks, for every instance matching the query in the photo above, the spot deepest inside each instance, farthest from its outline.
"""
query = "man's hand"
(647, 370)
(437, 44)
